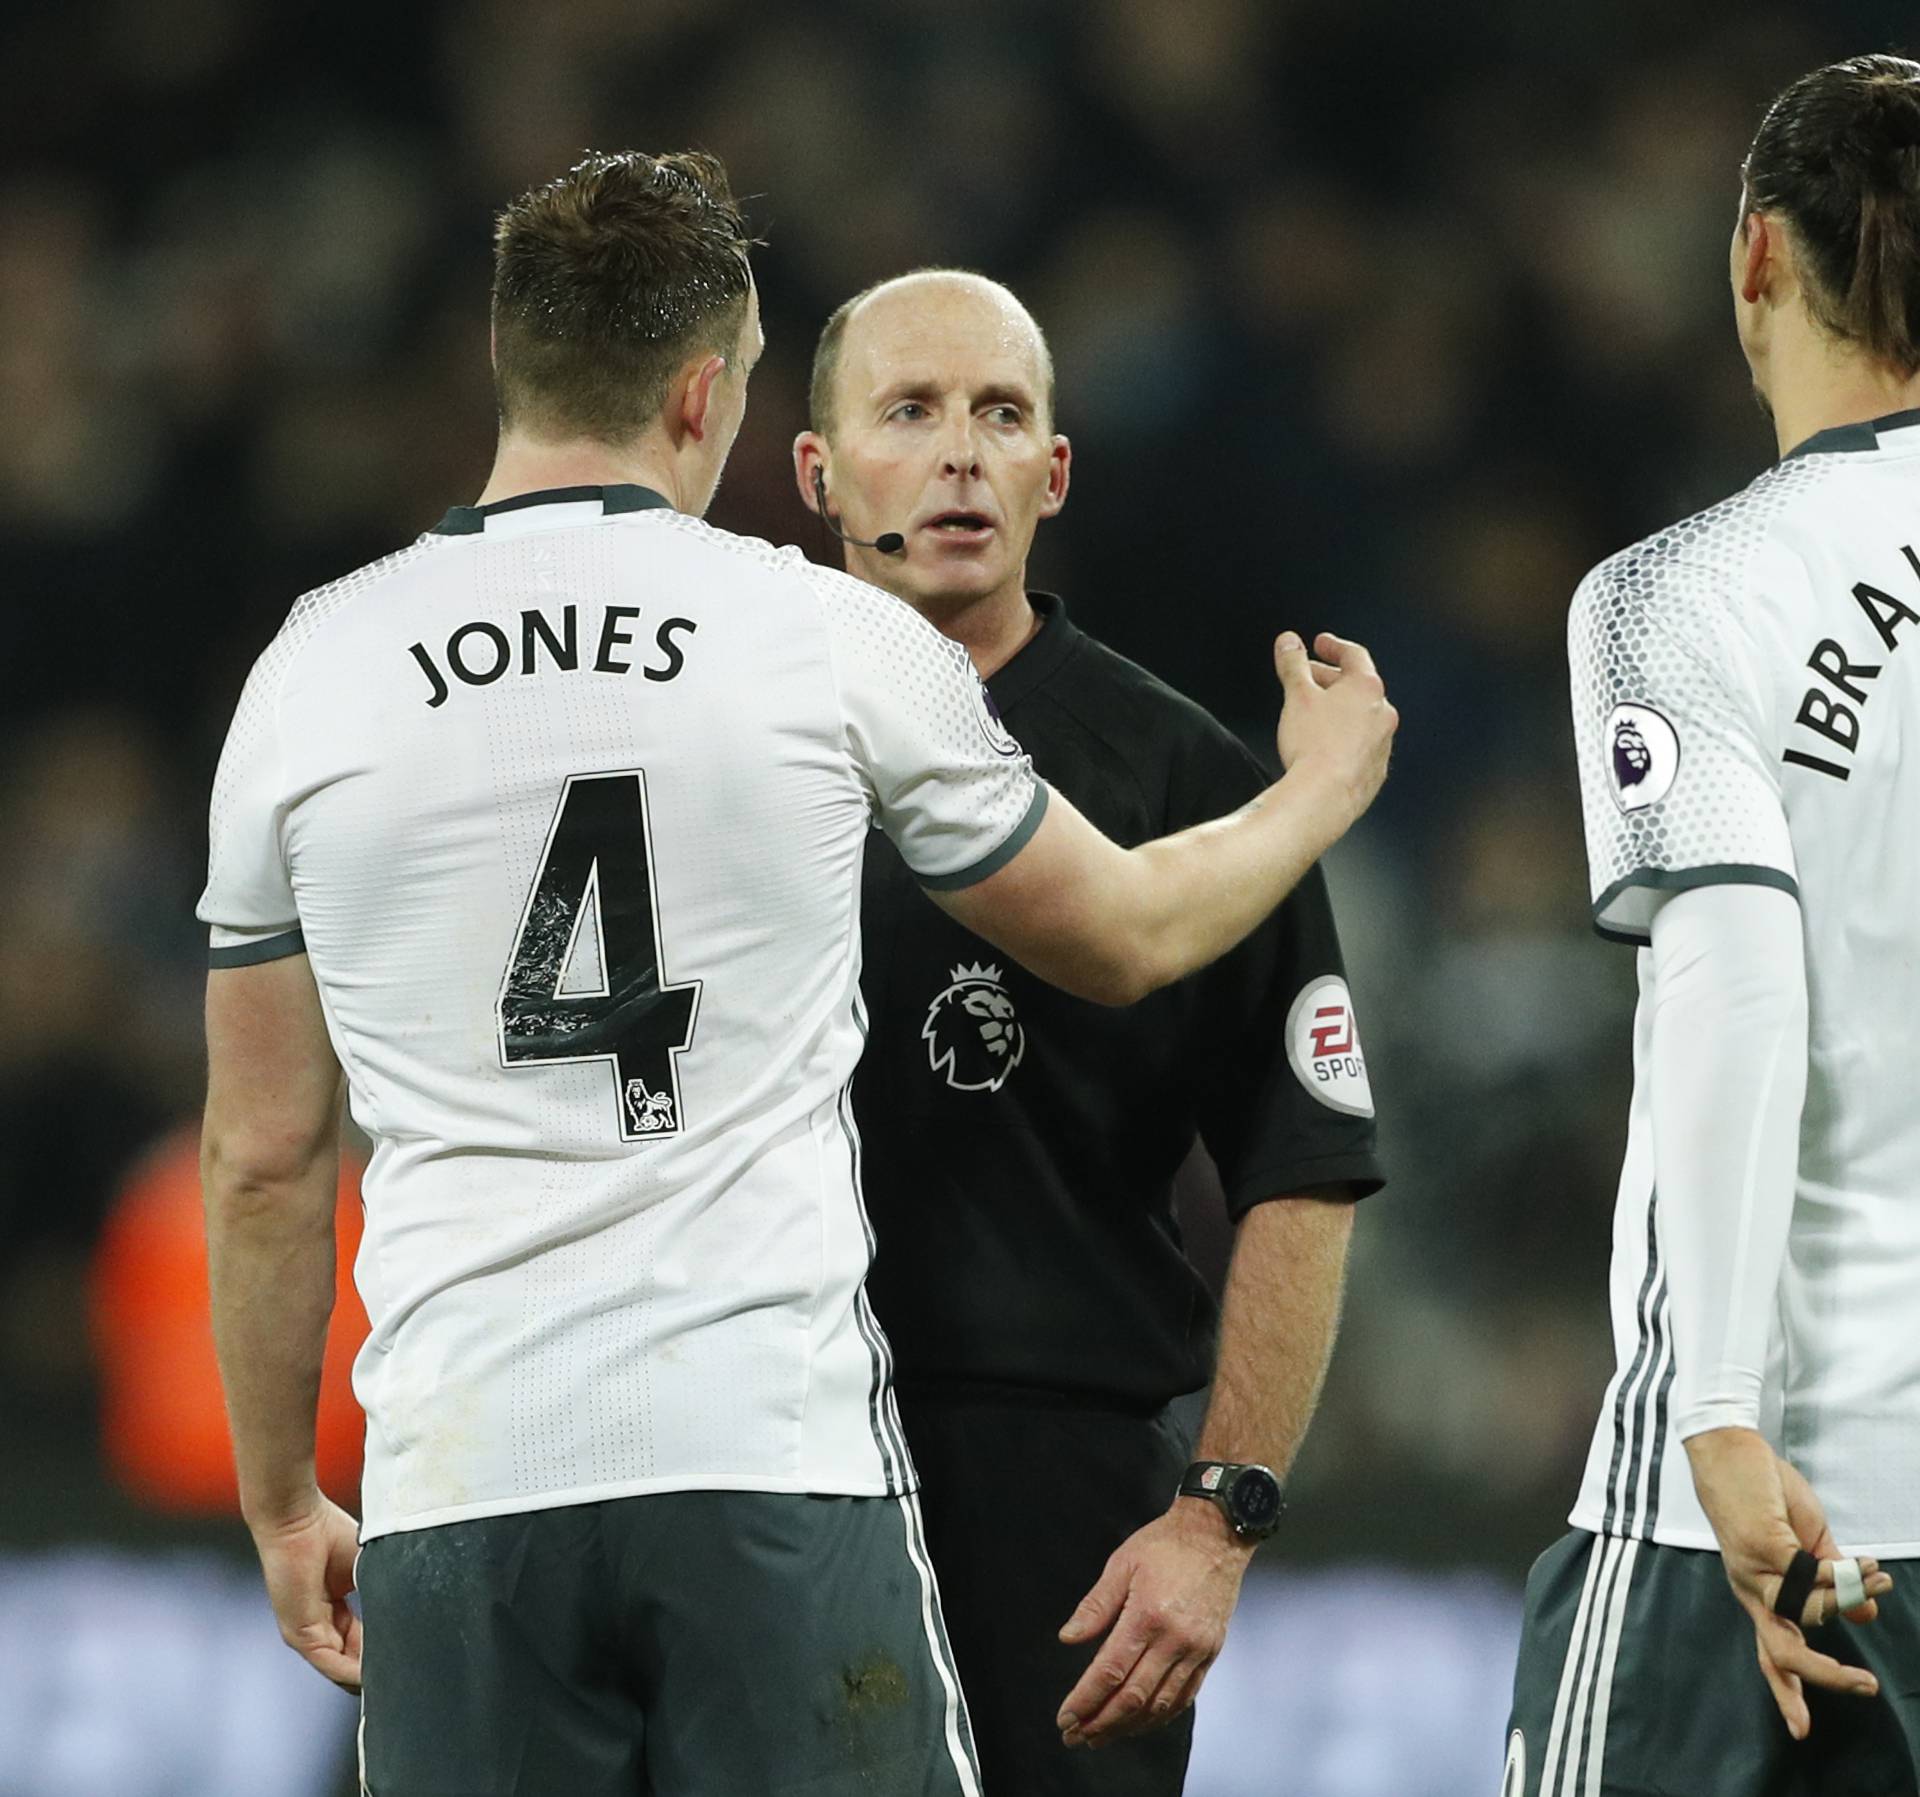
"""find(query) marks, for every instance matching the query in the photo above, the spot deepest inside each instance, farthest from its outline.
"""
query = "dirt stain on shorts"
(875, 1684)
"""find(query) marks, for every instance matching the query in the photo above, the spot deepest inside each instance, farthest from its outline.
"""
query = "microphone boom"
(889, 542)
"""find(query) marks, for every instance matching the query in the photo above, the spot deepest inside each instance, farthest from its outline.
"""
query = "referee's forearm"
(270, 1266)
(1203, 891)
(1277, 1328)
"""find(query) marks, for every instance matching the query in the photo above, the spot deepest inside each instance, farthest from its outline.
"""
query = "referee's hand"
(1336, 718)
(308, 1559)
(1163, 1602)
(1763, 1512)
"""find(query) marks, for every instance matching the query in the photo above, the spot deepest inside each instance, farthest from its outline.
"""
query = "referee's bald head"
(895, 301)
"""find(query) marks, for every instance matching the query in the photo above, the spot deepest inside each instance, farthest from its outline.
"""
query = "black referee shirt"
(1020, 1145)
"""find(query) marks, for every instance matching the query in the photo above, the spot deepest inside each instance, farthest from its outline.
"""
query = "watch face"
(1255, 1499)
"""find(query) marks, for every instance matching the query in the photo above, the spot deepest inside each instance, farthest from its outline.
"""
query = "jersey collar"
(471, 520)
(1853, 436)
(1037, 658)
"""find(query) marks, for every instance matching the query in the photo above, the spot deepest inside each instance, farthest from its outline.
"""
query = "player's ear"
(1759, 248)
(696, 395)
(809, 454)
(1059, 476)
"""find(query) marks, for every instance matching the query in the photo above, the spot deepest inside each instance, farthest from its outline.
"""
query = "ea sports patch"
(1323, 1045)
(999, 737)
(1644, 756)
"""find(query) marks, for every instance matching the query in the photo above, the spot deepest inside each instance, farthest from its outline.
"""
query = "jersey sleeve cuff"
(1720, 1413)
(1624, 911)
(248, 948)
(1016, 840)
(1352, 1177)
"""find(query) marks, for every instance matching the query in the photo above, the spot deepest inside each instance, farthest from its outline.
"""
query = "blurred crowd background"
(1367, 314)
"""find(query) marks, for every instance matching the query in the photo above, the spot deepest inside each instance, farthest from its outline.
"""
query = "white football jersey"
(566, 804)
(1743, 687)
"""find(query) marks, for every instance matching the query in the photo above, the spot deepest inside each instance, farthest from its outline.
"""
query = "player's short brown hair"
(826, 353)
(1838, 157)
(605, 283)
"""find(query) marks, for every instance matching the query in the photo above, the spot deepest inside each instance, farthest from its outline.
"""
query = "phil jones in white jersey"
(544, 838)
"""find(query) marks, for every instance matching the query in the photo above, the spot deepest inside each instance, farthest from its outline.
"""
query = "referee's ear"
(809, 453)
(1059, 476)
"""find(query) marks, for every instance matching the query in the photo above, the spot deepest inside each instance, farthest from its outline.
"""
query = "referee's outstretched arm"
(1113, 924)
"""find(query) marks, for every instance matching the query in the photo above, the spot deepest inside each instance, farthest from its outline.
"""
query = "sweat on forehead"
(922, 310)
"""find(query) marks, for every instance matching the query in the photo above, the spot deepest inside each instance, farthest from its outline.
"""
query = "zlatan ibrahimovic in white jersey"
(1746, 696)
(1744, 715)
(543, 836)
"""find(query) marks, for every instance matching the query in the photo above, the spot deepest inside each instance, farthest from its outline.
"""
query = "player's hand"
(1163, 1603)
(308, 1559)
(1763, 1512)
(1336, 718)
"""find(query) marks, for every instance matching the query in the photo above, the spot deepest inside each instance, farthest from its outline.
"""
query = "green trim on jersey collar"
(1853, 436)
(471, 520)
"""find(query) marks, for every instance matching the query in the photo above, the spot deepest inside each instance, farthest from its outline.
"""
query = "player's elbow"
(1118, 982)
(1096, 966)
(1128, 967)
(1133, 937)
(247, 1161)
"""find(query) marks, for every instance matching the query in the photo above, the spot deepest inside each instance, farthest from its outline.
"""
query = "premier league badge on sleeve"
(1645, 755)
(999, 737)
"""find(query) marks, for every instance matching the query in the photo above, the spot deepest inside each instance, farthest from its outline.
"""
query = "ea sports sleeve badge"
(1323, 1047)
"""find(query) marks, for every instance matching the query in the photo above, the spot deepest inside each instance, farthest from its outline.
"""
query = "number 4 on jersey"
(597, 876)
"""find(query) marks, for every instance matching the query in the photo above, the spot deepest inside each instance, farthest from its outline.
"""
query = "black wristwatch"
(1247, 1496)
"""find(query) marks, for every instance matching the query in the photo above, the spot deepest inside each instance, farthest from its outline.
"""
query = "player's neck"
(1815, 385)
(526, 465)
(993, 628)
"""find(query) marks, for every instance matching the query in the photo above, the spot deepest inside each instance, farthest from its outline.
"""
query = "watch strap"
(1215, 1481)
(1207, 1478)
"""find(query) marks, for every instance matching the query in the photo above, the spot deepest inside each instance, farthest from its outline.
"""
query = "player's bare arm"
(270, 1155)
(1169, 1591)
(1113, 924)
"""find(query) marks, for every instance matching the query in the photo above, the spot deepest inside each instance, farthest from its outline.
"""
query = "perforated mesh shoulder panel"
(955, 792)
(247, 886)
(1672, 711)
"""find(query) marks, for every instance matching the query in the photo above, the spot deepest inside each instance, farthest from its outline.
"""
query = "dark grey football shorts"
(682, 1644)
(1637, 1678)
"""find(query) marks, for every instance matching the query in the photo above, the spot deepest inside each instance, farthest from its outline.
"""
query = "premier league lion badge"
(1643, 756)
(1632, 759)
(649, 1113)
(972, 1034)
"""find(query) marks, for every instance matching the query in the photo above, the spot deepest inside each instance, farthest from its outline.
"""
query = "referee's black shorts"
(1023, 1504)
(681, 1644)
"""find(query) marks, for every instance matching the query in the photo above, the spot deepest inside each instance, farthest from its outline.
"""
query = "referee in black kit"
(1020, 1146)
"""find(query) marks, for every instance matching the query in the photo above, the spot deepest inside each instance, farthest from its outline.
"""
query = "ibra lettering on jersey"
(479, 653)
(1833, 710)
